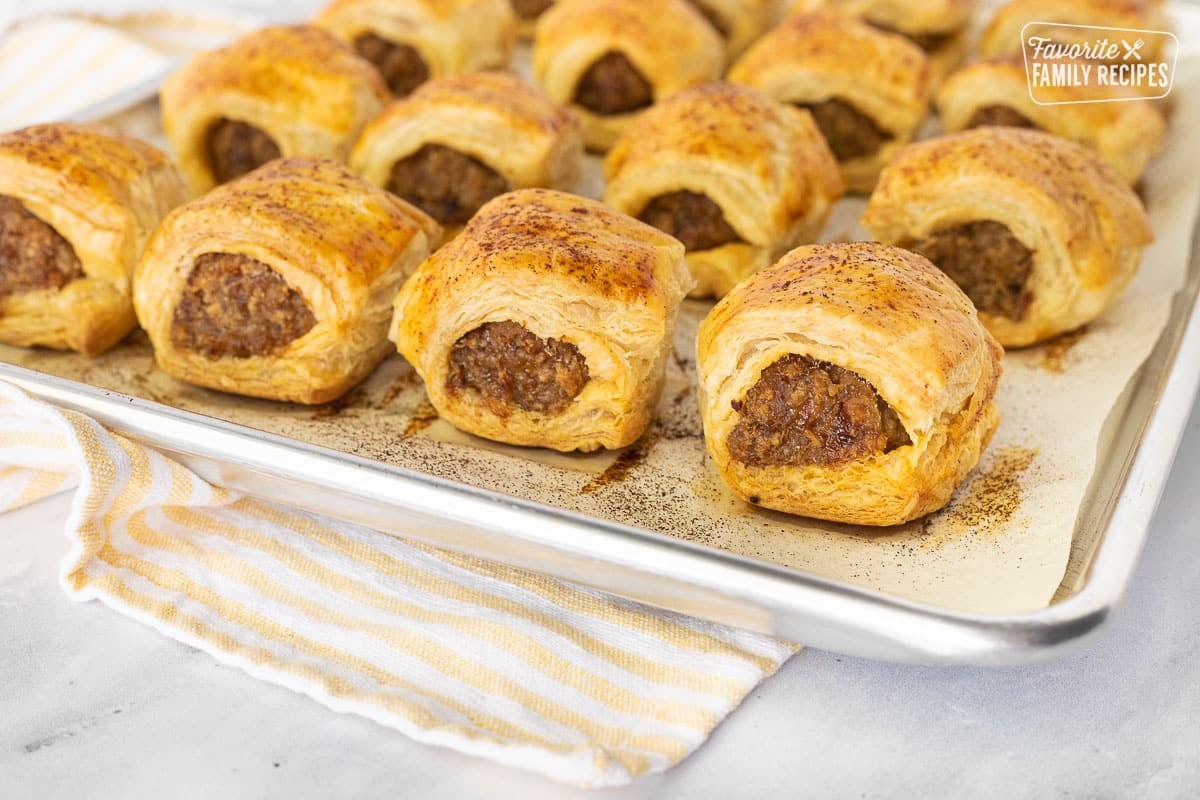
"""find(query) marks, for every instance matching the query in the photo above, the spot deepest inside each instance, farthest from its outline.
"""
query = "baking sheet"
(1001, 546)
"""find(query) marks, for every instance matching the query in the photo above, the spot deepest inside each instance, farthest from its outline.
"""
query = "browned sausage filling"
(235, 148)
(713, 18)
(986, 261)
(401, 65)
(447, 185)
(530, 9)
(1004, 116)
(33, 255)
(613, 86)
(806, 412)
(691, 218)
(509, 367)
(849, 132)
(236, 306)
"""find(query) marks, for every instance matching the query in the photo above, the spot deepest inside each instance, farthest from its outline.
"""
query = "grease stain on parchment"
(1055, 351)
(626, 462)
(988, 503)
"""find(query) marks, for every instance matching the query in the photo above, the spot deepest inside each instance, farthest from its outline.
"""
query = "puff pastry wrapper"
(300, 85)
(344, 245)
(566, 268)
(1127, 134)
(1002, 36)
(495, 117)
(824, 55)
(104, 193)
(451, 36)
(886, 315)
(763, 163)
(1084, 225)
(667, 41)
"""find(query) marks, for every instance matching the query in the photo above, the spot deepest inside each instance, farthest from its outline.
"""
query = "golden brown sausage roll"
(848, 382)
(461, 140)
(77, 205)
(1038, 231)
(275, 92)
(939, 27)
(611, 59)
(410, 41)
(1002, 36)
(867, 90)
(279, 285)
(1126, 134)
(737, 177)
(547, 322)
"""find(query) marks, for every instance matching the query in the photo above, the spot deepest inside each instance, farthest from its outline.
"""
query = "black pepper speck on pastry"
(867, 90)
(77, 205)
(611, 59)
(736, 176)
(547, 322)
(847, 382)
(1037, 230)
(276, 92)
(411, 41)
(279, 285)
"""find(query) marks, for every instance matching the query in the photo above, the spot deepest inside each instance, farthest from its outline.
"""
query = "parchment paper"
(1002, 544)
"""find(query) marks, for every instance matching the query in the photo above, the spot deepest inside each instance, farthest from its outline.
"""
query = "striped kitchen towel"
(450, 650)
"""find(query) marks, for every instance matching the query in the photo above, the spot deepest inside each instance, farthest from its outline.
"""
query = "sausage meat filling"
(1003, 116)
(849, 132)
(510, 368)
(235, 148)
(401, 65)
(691, 218)
(236, 306)
(447, 185)
(33, 255)
(613, 85)
(987, 262)
(804, 412)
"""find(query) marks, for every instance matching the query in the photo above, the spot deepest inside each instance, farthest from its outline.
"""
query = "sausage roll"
(77, 205)
(1002, 36)
(867, 90)
(737, 177)
(279, 285)
(1038, 231)
(459, 141)
(275, 92)
(410, 41)
(547, 322)
(1126, 134)
(939, 27)
(612, 59)
(847, 382)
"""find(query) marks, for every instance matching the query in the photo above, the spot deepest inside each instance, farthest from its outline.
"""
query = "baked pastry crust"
(344, 245)
(742, 21)
(893, 319)
(566, 268)
(300, 85)
(667, 41)
(105, 193)
(495, 117)
(1126, 134)
(452, 36)
(764, 163)
(810, 58)
(1084, 225)
(1002, 36)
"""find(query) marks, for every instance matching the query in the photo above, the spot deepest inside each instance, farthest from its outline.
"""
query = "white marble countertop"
(95, 705)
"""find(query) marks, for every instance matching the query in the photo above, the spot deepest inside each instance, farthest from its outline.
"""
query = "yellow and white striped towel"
(450, 650)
